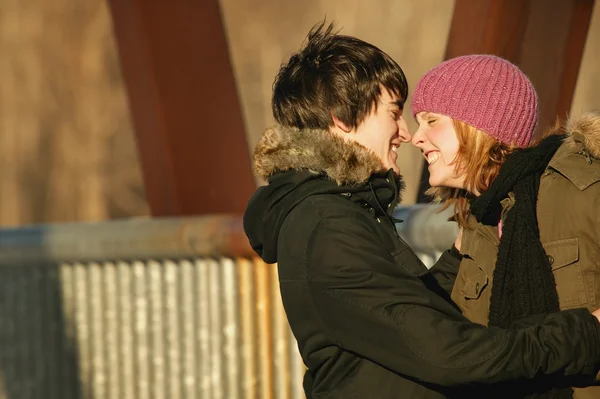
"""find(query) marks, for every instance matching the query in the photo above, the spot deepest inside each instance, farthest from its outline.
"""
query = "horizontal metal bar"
(424, 229)
(125, 240)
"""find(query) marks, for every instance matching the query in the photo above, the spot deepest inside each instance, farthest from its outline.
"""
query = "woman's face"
(436, 137)
(382, 131)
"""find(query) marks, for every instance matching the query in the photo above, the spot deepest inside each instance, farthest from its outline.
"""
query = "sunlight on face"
(383, 130)
(436, 137)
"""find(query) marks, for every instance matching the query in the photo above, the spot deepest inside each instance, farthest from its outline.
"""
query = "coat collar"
(283, 149)
(356, 170)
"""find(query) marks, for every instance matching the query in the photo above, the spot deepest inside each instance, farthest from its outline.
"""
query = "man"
(365, 311)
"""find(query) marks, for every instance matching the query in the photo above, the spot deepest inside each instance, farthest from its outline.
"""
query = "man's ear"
(340, 125)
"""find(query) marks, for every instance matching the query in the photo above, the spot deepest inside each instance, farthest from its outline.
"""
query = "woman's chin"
(435, 182)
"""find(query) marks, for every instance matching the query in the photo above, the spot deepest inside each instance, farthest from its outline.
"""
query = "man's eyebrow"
(398, 103)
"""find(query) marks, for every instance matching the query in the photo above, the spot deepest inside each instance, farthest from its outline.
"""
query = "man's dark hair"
(334, 74)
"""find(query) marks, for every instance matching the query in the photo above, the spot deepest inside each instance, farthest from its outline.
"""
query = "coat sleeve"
(395, 321)
(445, 270)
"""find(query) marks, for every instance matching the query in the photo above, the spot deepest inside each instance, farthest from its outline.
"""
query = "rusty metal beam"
(545, 38)
(551, 53)
(211, 236)
(184, 105)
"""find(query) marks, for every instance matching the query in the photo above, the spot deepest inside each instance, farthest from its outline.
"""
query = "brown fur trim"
(585, 129)
(281, 149)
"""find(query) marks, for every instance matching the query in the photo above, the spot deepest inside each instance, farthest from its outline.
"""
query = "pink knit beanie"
(484, 91)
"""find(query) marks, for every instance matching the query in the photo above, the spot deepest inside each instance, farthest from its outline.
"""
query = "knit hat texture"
(485, 91)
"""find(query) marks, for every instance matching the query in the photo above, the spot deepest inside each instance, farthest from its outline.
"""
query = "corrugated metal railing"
(175, 308)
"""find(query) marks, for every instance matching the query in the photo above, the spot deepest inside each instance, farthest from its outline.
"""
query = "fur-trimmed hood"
(584, 133)
(282, 149)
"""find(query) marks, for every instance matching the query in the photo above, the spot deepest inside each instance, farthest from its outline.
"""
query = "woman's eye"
(430, 122)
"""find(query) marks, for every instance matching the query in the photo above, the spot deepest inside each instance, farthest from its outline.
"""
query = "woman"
(529, 210)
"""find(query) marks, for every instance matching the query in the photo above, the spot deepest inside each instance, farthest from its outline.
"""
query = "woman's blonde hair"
(479, 159)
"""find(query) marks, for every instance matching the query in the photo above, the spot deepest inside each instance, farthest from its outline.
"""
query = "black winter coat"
(370, 320)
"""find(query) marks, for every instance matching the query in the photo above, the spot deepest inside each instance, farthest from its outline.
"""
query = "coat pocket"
(475, 280)
(479, 261)
(563, 256)
(472, 291)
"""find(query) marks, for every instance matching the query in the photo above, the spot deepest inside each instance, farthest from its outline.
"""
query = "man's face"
(383, 130)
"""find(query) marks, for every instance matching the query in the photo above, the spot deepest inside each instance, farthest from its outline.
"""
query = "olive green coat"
(569, 221)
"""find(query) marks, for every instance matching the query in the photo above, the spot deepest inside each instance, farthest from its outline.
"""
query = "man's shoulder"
(331, 206)
(323, 213)
(312, 227)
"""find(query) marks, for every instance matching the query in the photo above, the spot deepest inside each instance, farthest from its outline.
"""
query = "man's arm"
(445, 270)
(394, 320)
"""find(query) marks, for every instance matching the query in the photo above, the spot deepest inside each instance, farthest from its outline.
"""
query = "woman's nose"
(417, 138)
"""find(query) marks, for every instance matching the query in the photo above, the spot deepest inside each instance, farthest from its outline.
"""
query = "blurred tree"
(68, 152)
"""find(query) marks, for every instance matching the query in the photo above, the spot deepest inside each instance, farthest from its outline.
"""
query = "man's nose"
(405, 135)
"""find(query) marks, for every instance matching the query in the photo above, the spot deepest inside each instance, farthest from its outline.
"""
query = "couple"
(370, 319)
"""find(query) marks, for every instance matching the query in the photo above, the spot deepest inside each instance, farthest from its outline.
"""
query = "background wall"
(587, 91)
(66, 141)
